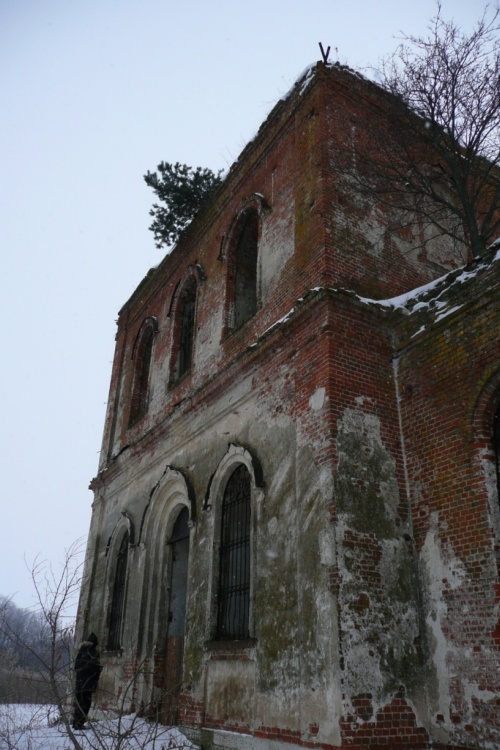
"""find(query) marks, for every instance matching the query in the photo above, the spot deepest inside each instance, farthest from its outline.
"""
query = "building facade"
(296, 527)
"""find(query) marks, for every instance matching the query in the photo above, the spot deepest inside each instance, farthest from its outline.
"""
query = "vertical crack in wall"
(395, 368)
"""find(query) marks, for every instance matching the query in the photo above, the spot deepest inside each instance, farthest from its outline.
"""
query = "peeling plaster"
(317, 400)
(488, 469)
(437, 570)
(326, 542)
(378, 598)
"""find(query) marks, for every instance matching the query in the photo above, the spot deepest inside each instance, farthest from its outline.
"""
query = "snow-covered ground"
(30, 727)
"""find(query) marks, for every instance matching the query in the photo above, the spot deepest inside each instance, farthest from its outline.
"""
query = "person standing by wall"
(87, 671)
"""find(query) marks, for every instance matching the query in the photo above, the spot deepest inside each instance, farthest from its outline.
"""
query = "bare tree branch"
(435, 150)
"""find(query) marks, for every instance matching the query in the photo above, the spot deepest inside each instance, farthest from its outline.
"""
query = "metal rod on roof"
(324, 54)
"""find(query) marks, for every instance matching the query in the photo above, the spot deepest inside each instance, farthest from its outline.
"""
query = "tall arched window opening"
(118, 599)
(174, 650)
(179, 542)
(187, 331)
(245, 300)
(184, 331)
(140, 385)
(233, 602)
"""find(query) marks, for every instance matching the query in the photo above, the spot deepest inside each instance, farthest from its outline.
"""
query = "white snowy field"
(31, 727)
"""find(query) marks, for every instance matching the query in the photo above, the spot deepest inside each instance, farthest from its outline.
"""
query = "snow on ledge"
(408, 303)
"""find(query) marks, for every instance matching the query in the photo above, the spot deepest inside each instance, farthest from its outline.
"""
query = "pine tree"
(182, 191)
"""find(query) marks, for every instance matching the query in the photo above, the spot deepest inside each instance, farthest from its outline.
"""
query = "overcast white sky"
(93, 93)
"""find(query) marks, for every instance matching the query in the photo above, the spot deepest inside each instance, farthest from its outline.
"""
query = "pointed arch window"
(182, 351)
(143, 353)
(179, 542)
(233, 601)
(117, 611)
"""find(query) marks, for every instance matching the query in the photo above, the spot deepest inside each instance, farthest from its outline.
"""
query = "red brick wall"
(394, 421)
(450, 390)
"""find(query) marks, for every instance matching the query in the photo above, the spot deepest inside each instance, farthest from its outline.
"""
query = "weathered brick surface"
(450, 394)
(367, 430)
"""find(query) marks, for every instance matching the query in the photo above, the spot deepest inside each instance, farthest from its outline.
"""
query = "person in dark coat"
(87, 671)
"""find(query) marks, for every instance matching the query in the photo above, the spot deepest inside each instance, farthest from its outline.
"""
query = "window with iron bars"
(234, 559)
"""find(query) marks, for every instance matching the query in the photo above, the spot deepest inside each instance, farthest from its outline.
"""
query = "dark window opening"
(183, 337)
(234, 576)
(181, 527)
(179, 542)
(245, 305)
(174, 650)
(118, 600)
(139, 400)
(187, 331)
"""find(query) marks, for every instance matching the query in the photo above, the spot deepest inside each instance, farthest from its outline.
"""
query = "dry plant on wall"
(433, 152)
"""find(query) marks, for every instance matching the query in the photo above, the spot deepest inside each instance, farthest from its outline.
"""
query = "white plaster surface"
(317, 400)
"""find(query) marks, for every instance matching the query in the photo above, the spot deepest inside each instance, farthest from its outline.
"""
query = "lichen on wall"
(461, 688)
(378, 597)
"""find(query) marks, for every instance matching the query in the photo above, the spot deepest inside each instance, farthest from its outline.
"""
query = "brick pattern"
(433, 426)
(191, 712)
(453, 389)
(299, 214)
(393, 726)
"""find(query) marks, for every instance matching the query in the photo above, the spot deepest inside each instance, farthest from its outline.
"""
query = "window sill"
(177, 381)
(231, 646)
(112, 653)
(132, 423)
(230, 332)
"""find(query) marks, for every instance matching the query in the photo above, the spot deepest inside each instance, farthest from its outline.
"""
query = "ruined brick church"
(296, 526)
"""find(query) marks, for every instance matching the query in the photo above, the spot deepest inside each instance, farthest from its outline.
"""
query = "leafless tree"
(35, 645)
(436, 155)
(46, 646)
(44, 643)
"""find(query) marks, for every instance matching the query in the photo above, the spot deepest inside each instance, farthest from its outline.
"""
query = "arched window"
(118, 599)
(179, 542)
(143, 352)
(233, 601)
(245, 272)
(182, 350)
(174, 649)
